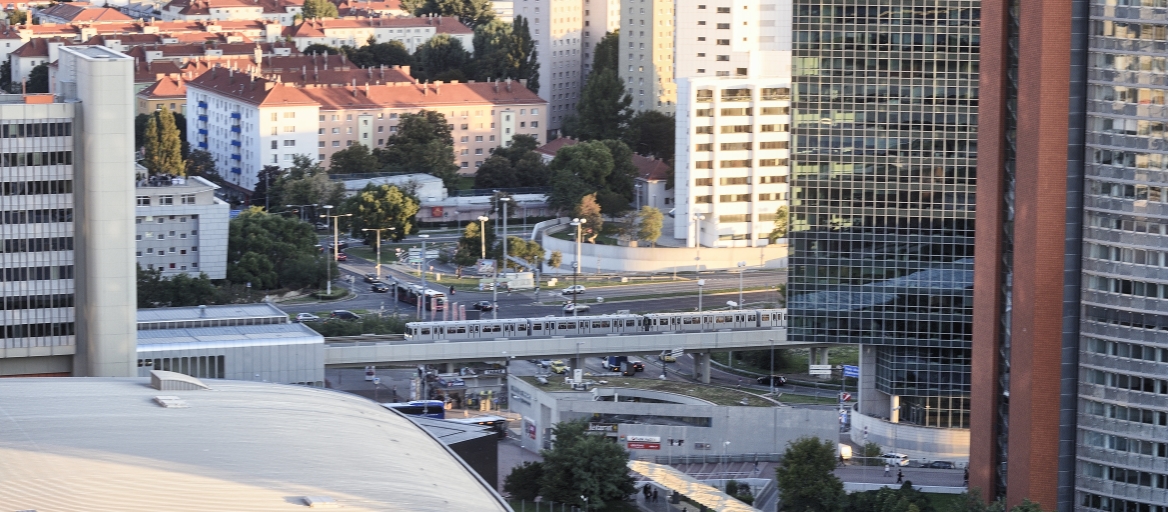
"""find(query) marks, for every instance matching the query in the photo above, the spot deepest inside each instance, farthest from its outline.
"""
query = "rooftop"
(203, 313)
(185, 184)
(318, 27)
(105, 444)
(714, 394)
(229, 336)
(650, 169)
(83, 12)
(552, 147)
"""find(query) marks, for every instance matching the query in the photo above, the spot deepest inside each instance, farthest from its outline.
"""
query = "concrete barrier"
(850, 487)
(613, 258)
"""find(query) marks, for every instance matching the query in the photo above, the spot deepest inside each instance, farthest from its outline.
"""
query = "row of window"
(36, 158)
(36, 330)
(162, 251)
(741, 180)
(150, 235)
(1127, 350)
(1137, 127)
(886, 42)
(1127, 255)
(166, 200)
(1129, 159)
(1125, 413)
(1124, 444)
(1128, 382)
(1126, 476)
(36, 273)
(63, 243)
(1128, 287)
(1118, 223)
(60, 300)
(851, 66)
(1123, 62)
(23, 188)
(1146, 31)
(765, 94)
(1125, 94)
(745, 217)
(740, 146)
(766, 111)
(887, 15)
(12, 131)
(393, 115)
(739, 164)
(203, 367)
(37, 216)
(1109, 504)
(1138, 192)
(738, 198)
(742, 128)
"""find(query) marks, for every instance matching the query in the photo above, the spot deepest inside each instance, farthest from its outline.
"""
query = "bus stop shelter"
(690, 487)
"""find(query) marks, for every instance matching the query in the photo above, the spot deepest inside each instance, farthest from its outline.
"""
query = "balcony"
(236, 170)
(202, 118)
(235, 129)
(236, 157)
(202, 145)
(202, 131)
(235, 115)
(202, 104)
(235, 143)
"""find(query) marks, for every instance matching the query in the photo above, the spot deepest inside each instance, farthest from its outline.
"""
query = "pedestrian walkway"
(918, 476)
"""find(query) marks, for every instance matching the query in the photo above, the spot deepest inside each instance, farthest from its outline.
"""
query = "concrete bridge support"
(702, 367)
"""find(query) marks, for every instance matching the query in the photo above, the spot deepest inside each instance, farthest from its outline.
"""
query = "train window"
(630, 323)
(766, 318)
(719, 319)
(536, 327)
(569, 325)
(686, 321)
(425, 331)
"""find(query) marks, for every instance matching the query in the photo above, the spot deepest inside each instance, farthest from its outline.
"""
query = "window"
(289, 129)
(275, 144)
(773, 128)
(774, 144)
(723, 26)
(289, 142)
(166, 200)
(735, 146)
(320, 144)
(704, 182)
(734, 198)
(336, 143)
(723, 10)
(722, 58)
(703, 147)
(738, 128)
(731, 164)
(745, 180)
(774, 111)
(772, 179)
(188, 199)
(143, 200)
(704, 164)
(289, 115)
(704, 112)
(703, 199)
(706, 129)
(742, 217)
(736, 111)
(772, 162)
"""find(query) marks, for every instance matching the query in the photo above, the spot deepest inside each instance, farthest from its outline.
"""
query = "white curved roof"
(100, 444)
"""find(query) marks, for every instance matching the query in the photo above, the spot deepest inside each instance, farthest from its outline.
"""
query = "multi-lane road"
(662, 294)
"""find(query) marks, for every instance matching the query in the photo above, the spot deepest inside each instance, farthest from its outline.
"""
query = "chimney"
(496, 84)
(508, 85)
(438, 87)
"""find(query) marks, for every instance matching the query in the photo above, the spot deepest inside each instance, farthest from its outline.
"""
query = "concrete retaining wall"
(612, 258)
(919, 443)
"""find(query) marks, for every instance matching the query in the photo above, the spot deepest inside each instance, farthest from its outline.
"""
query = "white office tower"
(67, 287)
(732, 66)
(646, 54)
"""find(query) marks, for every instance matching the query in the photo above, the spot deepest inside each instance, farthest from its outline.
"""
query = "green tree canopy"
(529, 251)
(470, 246)
(887, 499)
(6, 76)
(201, 163)
(555, 259)
(260, 245)
(314, 9)
(306, 182)
(523, 481)
(603, 110)
(496, 172)
(266, 189)
(155, 291)
(805, 478)
(17, 17)
(422, 144)
(163, 145)
(515, 165)
(589, 210)
(652, 133)
(321, 49)
(601, 167)
(649, 222)
(503, 50)
(471, 13)
(439, 57)
(382, 206)
(607, 53)
(373, 54)
(38, 79)
(580, 464)
(619, 188)
(355, 159)
(782, 218)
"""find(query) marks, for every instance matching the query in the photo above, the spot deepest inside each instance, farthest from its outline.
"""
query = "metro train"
(595, 325)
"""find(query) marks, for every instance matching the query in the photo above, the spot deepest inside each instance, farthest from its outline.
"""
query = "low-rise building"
(356, 32)
(32, 54)
(78, 13)
(652, 177)
(169, 91)
(181, 227)
(247, 122)
(281, 11)
(370, 8)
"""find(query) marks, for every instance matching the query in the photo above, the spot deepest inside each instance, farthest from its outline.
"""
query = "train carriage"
(468, 329)
(596, 325)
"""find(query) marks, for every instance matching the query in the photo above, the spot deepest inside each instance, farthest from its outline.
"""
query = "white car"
(307, 317)
(895, 459)
(573, 308)
(575, 289)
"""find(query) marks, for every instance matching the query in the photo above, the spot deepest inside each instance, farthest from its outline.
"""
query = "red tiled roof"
(360, 7)
(650, 169)
(82, 12)
(160, 39)
(39, 47)
(552, 147)
(146, 72)
(203, 7)
(171, 51)
(316, 28)
(165, 87)
(304, 69)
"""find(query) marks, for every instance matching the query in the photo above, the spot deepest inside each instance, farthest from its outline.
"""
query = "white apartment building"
(600, 18)
(732, 66)
(67, 295)
(281, 11)
(411, 32)
(557, 27)
(646, 54)
(247, 122)
(181, 227)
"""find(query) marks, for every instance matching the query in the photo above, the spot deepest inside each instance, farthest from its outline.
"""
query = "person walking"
(899, 476)
(887, 469)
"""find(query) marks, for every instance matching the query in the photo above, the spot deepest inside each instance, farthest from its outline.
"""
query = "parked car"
(371, 278)
(322, 225)
(895, 459)
(307, 317)
(380, 287)
(572, 307)
(342, 314)
(941, 464)
(342, 256)
(558, 366)
(765, 380)
(575, 289)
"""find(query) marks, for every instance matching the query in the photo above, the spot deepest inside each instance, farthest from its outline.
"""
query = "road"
(679, 295)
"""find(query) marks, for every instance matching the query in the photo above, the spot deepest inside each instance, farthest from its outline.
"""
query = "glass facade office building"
(883, 193)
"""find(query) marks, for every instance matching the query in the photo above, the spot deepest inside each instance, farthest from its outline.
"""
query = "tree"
(470, 246)
(805, 478)
(305, 182)
(523, 481)
(201, 163)
(496, 172)
(579, 170)
(355, 159)
(315, 9)
(5, 76)
(521, 145)
(782, 218)
(580, 464)
(320, 49)
(652, 133)
(556, 259)
(17, 17)
(471, 13)
(38, 79)
(267, 191)
(382, 206)
(531, 171)
(649, 222)
(163, 145)
(503, 50)
(607, 54)
(617, 191)
(887, 499)
(261, 247)
(603, 110)
(439, 56)
(525, 53)
(155, 291)
(588, 209)
(422, 144)
(529, 251)
(390, 53)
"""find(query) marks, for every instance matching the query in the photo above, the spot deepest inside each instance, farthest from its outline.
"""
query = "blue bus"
(427, 408)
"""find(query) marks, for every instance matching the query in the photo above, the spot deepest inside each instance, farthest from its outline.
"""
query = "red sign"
(436, 211)
(644, 446)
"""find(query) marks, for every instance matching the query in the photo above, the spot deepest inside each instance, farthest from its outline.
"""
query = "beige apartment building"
(646, 54)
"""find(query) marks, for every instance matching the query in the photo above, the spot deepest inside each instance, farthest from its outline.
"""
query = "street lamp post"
(701, 324)
(579, 223)
(336, 246)
(698, 242)
(422, 270)
(772, 376)
(741, 270)
(483, 234)
(379, 230)
(495, 300)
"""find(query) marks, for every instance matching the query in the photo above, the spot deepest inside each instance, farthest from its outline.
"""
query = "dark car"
(941, 464)
(637, 366)
(380, 287)
(342, 257)
(765, 380)
(483, 305)
(342, 314)
(371, 278)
